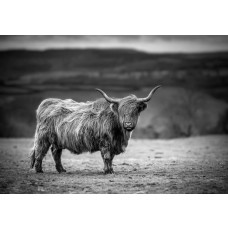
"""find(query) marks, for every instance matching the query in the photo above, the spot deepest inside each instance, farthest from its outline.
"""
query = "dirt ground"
(191, 165)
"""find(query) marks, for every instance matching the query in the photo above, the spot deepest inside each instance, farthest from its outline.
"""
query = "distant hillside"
(193, 100)
(113, 67)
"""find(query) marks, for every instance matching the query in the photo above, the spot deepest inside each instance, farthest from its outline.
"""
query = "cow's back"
(53, 108)
(47, 108)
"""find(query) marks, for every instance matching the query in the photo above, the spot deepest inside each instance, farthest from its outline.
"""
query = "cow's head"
(128, 108)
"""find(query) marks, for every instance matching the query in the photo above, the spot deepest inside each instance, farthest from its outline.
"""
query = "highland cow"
(102, 125)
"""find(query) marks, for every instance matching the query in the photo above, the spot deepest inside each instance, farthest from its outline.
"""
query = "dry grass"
(191, 165)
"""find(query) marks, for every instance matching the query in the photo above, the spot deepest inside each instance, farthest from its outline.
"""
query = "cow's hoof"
(109, 171)
(39, 171)
(60, 169)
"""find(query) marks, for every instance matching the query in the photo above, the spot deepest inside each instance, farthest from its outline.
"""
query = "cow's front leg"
(107, 158)
(110, 164)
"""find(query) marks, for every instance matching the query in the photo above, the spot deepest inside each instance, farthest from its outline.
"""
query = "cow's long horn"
(109, 99)
(146, 99)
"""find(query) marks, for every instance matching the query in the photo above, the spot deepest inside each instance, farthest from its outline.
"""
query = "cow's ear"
(142, 106)
(114, 107)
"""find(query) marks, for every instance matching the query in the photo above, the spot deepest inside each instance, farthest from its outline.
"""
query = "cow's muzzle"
(129, 126)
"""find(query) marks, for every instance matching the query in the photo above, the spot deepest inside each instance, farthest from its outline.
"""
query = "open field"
(187, 165)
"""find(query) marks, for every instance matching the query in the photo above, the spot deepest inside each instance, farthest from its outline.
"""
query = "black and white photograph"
(113, 113)
(121, 114)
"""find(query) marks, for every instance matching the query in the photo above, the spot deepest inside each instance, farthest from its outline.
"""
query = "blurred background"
(192, 69)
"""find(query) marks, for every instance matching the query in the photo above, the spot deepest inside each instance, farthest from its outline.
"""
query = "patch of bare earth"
(191, 165)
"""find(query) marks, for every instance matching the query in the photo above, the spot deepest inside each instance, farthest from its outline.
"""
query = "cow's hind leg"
(40, 148)
(57, 153)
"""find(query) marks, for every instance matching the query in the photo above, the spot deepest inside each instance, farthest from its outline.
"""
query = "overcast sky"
(144, 43)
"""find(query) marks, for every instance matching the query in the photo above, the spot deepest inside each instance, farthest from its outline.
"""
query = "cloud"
(169, 43)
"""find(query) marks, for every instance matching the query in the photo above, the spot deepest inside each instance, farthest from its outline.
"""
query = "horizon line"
(112, 48)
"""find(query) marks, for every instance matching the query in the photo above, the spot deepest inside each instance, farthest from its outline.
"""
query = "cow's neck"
(127, 134)
(123, 137)
(126, 137)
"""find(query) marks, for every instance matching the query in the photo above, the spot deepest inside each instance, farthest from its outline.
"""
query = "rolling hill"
(193, 100)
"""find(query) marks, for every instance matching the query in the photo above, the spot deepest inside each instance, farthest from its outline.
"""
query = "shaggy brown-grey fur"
(81, 127)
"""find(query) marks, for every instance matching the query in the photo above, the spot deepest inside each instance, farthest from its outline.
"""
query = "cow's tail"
(32, 158)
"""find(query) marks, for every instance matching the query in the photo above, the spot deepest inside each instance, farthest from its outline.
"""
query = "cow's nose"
(128, 124)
